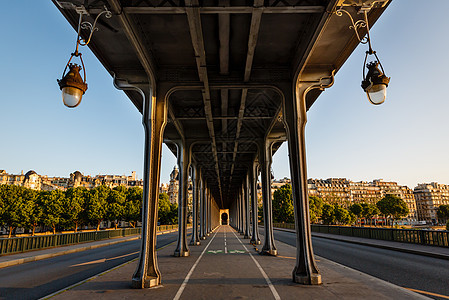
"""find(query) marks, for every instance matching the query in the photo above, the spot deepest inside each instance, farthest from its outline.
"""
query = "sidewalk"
(226, 266)
(431, 251)
(20, 258)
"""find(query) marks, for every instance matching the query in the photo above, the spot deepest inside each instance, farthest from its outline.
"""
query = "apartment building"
(429, 196)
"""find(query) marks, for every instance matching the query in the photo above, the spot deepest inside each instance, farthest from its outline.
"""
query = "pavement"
(20, 258)
(226, 266)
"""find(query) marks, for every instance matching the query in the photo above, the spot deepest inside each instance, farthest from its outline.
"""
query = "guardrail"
(29, 243)
(413, 236)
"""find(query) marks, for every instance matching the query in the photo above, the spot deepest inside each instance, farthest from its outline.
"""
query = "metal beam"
(252, 42)
(196, 34)
(226, 10)
(144, 56)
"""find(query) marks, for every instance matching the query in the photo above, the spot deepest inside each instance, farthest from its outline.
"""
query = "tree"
(369, 211)
(328, 215)
(283, 205)
(443, 213)
(133, 207)
(393, 207)
(343, 216)
(14, 210)
(357, 210)
(315, 208)
(96, 205)
(33, 209)
(164, 209)
(115, 207)
(74, 206)
(52, 208)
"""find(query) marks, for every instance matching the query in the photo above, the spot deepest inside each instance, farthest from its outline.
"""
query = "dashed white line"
(267, 279)
(186, 280)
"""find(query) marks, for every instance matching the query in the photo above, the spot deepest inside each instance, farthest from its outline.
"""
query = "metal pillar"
(246, 205)
(239, 210)
(241, 213)
(202, 210)
(295, 111)
(196, 192)
(183, 162)
(255, 239)
(265, 165)
(154, 114)
(206, 225)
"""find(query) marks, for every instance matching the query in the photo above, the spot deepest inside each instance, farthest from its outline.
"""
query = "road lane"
(37, 279)
(403, 269)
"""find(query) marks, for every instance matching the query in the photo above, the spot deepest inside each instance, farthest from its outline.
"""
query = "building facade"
(429, 196)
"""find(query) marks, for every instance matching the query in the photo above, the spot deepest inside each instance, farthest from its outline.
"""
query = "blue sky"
(404, 140)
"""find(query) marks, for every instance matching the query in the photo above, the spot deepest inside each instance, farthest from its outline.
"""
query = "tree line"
(390, 207)
(22, 207)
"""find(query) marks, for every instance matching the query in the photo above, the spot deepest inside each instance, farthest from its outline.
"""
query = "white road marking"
(270, 285)
(186, 280)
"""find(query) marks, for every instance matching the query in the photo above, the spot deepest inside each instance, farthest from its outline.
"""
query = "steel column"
(255, 239)
(183, 162)
(154, 113)
(295, 110)
(247, 216)
(202, 210)
(265, 165)
(195, 199)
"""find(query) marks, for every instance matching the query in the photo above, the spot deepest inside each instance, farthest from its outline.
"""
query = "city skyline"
(402, 140)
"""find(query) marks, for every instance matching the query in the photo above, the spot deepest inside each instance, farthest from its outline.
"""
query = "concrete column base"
(193, 243)
(182, 253)
(202, 238)
(147, 283)
(268, 252)
(315, 279)
(254, 242)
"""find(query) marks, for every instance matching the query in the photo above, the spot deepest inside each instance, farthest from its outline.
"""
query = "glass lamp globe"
(72, 86)
(375, 84)
(71, 96)
(377, 93)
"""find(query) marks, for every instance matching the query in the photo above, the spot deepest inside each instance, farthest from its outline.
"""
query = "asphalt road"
(38, 279)
(403, 269)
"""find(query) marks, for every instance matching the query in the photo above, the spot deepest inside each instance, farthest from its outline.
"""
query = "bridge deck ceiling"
(227, 65)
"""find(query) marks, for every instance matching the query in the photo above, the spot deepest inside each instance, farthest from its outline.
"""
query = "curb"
(417, 252)
(50, 255)
(64, 252)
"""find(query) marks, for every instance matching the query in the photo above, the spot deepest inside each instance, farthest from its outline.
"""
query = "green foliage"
(115, 207)
(283, 205)
(443, 212)
(369, 211)
(328, 215)
(132, 212)
(168, 212)
(393, 206)
(74, 206)
(52, 207)
(96, 205)
(315, 208)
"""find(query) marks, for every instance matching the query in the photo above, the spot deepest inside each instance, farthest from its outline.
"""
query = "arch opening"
(224, 219)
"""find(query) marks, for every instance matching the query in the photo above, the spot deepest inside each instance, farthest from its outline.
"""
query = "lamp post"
(71, 84)
(375, 82)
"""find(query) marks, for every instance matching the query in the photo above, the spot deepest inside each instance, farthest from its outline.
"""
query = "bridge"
(223, 84)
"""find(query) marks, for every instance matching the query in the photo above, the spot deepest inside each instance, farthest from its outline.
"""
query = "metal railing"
(413, 236)
(29, 243)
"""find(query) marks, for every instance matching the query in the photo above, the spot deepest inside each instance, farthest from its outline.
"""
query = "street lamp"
(375, 82)
(71, 84)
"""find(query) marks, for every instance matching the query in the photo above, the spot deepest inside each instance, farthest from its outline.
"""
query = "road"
(41, 278)
(403, 269)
